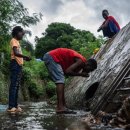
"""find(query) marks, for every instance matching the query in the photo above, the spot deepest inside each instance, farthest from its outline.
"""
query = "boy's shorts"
(55, 69)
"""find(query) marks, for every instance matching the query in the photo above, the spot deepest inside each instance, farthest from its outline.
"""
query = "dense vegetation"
(36, 83)
(64, 35)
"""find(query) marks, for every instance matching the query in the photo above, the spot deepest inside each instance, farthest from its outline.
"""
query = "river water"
(39, 116)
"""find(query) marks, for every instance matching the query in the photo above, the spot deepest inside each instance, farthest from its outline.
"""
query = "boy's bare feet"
(12, 110)
(19, 109)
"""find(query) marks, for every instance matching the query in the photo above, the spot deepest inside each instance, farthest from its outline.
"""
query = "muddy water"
(39, 116)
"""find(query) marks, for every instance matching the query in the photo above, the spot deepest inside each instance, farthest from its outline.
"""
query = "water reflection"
(39, 116)
(36, 116)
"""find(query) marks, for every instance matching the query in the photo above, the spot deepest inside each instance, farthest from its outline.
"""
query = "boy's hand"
(27, 58)
(99, 30)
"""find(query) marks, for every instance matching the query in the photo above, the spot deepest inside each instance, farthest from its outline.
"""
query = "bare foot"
(19, 109)
(12, 110)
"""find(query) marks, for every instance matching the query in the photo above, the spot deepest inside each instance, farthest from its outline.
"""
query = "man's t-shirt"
(111, 18)
(65, 57)
(15, 43)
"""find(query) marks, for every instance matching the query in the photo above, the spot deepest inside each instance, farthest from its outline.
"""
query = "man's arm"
(20, 55)
(103, 26)
(71, 70)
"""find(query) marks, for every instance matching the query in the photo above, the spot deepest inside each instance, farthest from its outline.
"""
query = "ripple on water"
(39, 116)
(3, 108)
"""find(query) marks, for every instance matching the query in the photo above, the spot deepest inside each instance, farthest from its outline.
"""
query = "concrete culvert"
(91, 91)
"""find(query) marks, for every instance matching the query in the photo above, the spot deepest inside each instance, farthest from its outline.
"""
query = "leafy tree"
(12, 12)
(81, 39)
(64, 35)
(56, 30)
(85, 42)
(56, 35)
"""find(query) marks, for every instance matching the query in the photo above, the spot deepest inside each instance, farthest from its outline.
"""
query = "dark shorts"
(55, 69)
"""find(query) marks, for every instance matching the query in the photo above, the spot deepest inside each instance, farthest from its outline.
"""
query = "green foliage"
(36, 91)
(56, 30)
(64, 35)
(33, 78)
(56, 35)
(51, 89)
(5, 59)
(3, 88)
(12, 12)
(53, 100)
(84, 42)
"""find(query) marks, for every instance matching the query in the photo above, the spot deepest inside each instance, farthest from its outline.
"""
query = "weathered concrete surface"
(111, 59)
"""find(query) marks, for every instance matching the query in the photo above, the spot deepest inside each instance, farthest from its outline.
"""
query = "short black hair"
(16, 30)
(105, 10)
(93, 63)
